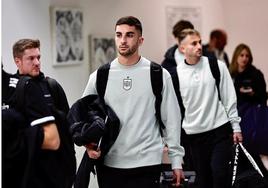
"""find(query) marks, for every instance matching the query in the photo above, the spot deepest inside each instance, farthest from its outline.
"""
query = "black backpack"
(14, 155)
(14, 126)
(157, 84)
(156, 73)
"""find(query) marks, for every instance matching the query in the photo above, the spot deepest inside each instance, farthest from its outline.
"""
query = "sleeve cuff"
(176, 163)
(42, 120)
(236, 127)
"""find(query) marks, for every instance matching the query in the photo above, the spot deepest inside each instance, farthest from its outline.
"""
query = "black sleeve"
(260, 88)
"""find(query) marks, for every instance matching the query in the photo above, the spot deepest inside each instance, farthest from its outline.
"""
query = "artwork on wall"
(102, 50)
(67, 36)
(174, 14)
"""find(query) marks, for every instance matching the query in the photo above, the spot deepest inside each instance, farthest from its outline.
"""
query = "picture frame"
(176, 13)
(67, 36)
(102, 50)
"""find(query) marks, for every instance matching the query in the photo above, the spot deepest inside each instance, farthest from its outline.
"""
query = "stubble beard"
(129, 52)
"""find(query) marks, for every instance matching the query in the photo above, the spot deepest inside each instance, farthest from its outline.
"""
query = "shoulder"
(206, 59)
(170, 52)
(27, 82)
(216, 67)
(165, 72)
(156, 67)
(9, 83)
(52, 81)
(169, 58)
(205, 48)
(254, 71)
(53, 84)
(146, 62)
(222, 65)
(91, 84)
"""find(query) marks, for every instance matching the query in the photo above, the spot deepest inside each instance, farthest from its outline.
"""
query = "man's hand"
(237, 137)
(178, 176)
(92, 152)
(247, 90)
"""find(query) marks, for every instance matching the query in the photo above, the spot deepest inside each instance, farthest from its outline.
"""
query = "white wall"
(244, 20)
(30, 18)
(247, 22)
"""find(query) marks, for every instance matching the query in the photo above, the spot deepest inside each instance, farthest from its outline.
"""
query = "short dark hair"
(181, 25)
(131, 21)
(23, 44)
(217, 33)
(184, 33)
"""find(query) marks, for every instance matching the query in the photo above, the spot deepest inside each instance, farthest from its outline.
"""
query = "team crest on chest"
(127, 83)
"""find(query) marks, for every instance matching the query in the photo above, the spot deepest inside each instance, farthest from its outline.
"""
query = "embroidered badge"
(127, 83)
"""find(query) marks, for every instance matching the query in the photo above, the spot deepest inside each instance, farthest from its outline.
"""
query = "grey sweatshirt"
(129, 93)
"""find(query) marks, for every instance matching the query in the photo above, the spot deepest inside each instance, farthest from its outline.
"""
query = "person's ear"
(141, 39)
(181, 48)
(17, 61)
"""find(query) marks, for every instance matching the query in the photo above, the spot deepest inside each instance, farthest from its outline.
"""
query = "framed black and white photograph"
(102, 50)
(176, 13)
(67, 36)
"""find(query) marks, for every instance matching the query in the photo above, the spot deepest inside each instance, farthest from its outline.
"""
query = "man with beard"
(211, 124)
(134, 160)
(43, 151)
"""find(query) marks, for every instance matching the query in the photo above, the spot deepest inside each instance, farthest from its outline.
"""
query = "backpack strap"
(156, 73)
(20, 92)
(102, 78)
(58, 95)
(214, 67)
(176, 85)
(21, 85)
(53, 89)
(51, 82)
